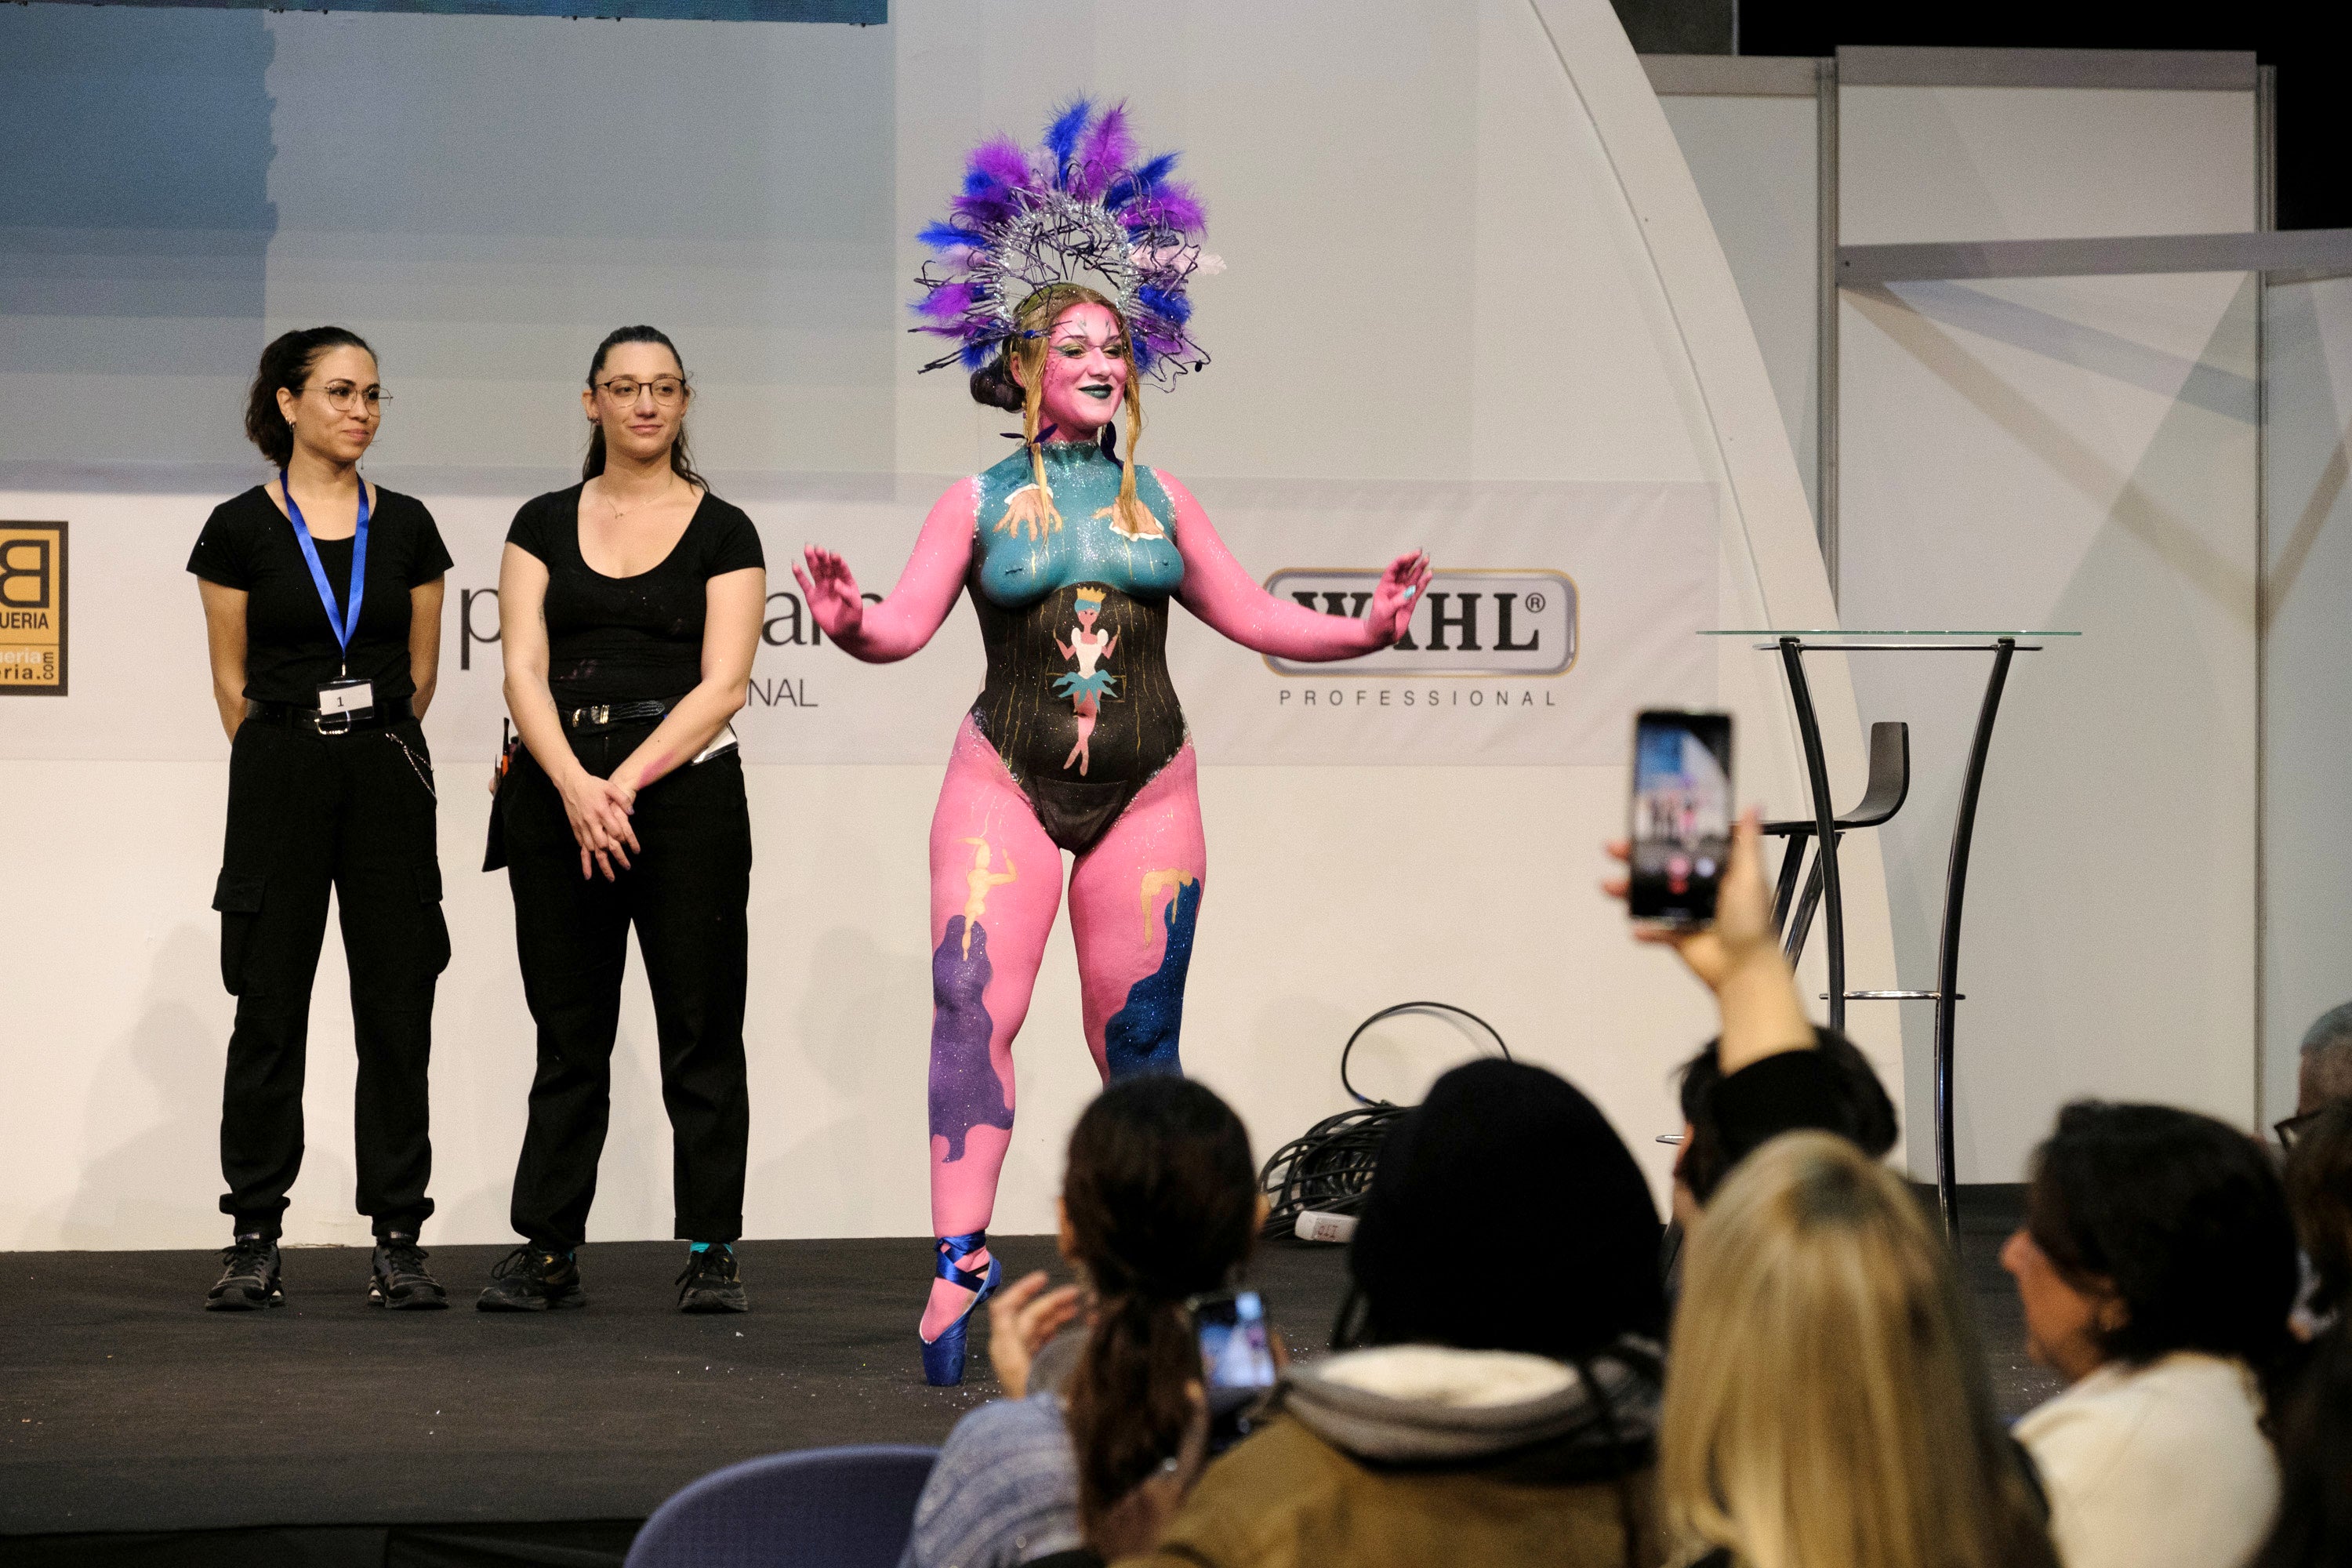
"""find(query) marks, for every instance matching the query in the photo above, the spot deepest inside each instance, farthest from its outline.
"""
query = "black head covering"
(1507, 1214)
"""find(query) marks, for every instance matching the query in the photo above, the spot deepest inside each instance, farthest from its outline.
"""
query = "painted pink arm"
(927, 589)
(1230, 600)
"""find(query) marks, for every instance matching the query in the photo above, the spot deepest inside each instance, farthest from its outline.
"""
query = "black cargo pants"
(685, 893)
(306, 813)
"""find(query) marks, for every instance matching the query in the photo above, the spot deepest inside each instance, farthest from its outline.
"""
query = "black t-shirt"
(629, 639)
(290, 645)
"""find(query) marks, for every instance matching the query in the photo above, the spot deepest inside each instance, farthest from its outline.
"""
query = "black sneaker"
(250, 1279)
(532, 1279)
(712, 1282)
(397, 1278)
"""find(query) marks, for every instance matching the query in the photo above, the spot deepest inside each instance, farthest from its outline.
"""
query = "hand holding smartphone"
(1680, 832)
(1236, 1360)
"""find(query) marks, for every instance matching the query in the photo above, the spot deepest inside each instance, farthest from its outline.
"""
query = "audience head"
(2314, 1529)
(2149, 1230)
(2319, 1196)
(1866, 1115)
(2325, 1075)
(1826, 1405)
(1505, 1213)
(1160, 1201)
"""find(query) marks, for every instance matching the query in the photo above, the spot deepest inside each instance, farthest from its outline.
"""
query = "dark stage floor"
(461, 1437)
(125, 1407)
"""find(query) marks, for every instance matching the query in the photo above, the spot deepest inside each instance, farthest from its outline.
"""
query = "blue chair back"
(818, 1507)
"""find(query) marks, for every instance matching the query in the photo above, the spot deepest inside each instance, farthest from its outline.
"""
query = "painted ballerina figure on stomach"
(1067, 530)
(1086, 685)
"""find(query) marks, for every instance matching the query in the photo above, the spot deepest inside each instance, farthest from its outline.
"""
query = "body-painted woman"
(1072, 555)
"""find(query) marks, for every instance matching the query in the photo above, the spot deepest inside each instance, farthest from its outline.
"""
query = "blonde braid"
(1134, 519)
(1032, 506)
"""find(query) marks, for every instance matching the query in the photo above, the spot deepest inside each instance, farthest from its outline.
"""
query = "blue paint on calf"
(1140, 1038)
(966, 1092)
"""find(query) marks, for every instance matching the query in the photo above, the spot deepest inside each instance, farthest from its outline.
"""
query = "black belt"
(611, 715)
(293, 715)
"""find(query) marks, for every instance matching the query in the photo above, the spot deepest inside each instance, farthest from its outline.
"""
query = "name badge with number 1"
(346, 697)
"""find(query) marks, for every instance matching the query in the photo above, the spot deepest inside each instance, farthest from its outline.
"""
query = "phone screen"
(1234, 1349)
(1682, 816)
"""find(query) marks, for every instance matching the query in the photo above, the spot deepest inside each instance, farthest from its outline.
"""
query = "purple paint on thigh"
(966, 1092)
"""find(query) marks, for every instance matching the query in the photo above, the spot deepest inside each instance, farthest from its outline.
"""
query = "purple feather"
(947, 302)
(1103, 152)
(999, 162)
(1062, 137)
(1172, 205)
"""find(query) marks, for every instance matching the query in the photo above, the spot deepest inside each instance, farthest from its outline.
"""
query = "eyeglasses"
(666, 390)
(2293, 1128)
(344, 397)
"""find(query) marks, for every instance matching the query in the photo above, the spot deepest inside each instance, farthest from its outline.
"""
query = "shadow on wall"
(170, 1061)
(134, 222)
(2158, 597)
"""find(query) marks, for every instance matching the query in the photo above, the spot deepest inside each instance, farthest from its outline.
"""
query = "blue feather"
(1137, 183)
(1154, 172)
(945, 235)
(1141, 351)
(1161, 302)
(976, 355)
(1062, 136)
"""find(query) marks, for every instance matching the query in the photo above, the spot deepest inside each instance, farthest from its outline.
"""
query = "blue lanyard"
(346, 623)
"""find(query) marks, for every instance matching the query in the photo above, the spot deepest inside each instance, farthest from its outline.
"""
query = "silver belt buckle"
(601, 714)
(319, 721)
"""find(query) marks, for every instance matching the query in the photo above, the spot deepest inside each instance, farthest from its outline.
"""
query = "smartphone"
(1236, 1361)
(1681, 829)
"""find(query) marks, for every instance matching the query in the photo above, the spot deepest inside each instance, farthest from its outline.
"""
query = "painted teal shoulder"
(1017, 568)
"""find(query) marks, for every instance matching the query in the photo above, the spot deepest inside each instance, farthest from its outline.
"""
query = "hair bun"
(992, 386)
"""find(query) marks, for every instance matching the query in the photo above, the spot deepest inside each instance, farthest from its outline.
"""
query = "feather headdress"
(1085, 207)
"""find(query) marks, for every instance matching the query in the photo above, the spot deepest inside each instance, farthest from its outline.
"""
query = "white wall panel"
(2307, 648)
(1756, 163)
(2075, 454)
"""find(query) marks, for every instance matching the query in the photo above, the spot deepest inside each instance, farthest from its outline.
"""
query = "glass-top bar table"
(1792, 644)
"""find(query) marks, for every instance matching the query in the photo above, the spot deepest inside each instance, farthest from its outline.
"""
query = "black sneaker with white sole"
(249, 1278)
(532, 1280)
(398, 1279)
(713, 1282)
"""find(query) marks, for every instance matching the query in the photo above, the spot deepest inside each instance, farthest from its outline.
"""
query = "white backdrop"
(2076, 454)
(1608, 588)
(1470, 279)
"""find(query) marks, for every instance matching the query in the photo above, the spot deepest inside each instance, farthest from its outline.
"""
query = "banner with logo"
(1557, 612)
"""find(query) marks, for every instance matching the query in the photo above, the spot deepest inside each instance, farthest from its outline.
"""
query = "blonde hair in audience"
(1826, 1405)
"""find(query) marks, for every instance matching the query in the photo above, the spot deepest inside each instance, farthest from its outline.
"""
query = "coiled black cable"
(1328, 1167)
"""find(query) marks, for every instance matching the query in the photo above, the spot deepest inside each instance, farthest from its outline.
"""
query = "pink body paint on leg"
(1136, 889)
(988, 938)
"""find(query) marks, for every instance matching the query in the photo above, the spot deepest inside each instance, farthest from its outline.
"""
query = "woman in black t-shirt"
(323, 609)
(629, 607)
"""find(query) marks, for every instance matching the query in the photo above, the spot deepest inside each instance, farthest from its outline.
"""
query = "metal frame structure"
(1793, 646)
(2274, 255)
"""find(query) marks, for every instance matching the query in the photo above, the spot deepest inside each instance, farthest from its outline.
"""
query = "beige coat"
(1291, 1496)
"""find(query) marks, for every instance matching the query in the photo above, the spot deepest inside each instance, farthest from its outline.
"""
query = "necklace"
(620, 513)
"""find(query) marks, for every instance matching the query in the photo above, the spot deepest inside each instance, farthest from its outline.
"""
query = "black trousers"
(685, 893)
(306, 813)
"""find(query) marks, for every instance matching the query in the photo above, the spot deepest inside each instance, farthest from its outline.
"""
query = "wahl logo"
(1468, 623)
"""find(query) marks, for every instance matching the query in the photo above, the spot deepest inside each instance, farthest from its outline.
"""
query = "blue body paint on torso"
(1015, 568)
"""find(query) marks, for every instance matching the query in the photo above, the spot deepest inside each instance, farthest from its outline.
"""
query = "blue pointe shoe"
(943, 1357)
